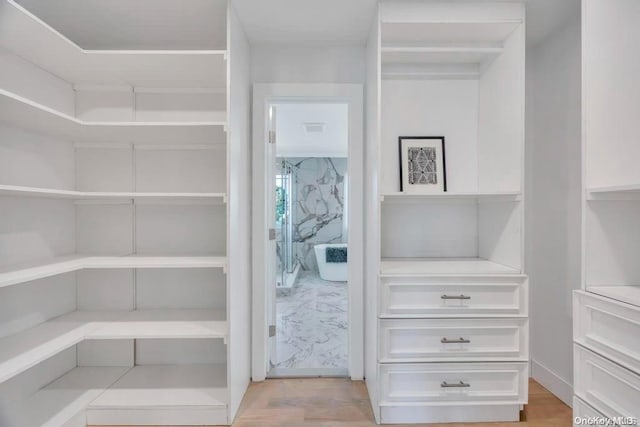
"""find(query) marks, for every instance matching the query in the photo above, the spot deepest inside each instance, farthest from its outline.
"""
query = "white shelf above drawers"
(162, 395)
(31, 38)
(21, 273)
(443, 267)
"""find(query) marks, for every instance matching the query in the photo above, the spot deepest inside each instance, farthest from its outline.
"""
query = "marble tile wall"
(319, 205)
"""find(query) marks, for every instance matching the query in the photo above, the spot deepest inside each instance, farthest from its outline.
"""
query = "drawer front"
(436, 340)
(439, 383)
(583, 410)
(609, 388)
(609, 328)
(442, 297)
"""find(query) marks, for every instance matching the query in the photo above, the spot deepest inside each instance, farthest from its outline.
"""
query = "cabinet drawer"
(441, 383)
(609, 388)
(583, 410)
(608, 327)
(453, 297)
(440, 340)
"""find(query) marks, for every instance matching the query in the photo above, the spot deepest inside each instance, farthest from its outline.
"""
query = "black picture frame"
(444, 158)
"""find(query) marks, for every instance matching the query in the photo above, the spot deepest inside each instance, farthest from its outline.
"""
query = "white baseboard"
(552, 382)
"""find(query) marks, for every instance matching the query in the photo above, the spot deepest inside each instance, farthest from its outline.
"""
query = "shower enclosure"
(288, 266)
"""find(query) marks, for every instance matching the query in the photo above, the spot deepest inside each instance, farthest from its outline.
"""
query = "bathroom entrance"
(307, 230)
(311, 190)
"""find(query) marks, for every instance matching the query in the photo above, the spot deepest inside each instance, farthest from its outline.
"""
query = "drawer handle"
(458, 341)
(461, 296)
(461, 384)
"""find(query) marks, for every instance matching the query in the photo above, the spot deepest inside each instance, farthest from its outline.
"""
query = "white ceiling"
(314, 22)
(293, 141)
(189, 24)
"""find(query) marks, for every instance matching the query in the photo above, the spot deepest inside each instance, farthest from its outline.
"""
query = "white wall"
(321, 64)
(553, 206)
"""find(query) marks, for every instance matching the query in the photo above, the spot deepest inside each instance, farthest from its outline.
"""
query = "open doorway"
(307, 230)
(311, 250)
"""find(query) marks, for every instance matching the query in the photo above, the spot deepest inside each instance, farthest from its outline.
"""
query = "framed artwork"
(422, 164)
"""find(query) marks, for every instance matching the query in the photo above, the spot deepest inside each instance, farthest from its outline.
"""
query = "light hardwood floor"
(332, 402)
(343, 403)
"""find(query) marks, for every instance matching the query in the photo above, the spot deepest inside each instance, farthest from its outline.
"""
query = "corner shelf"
(614, 192)
(65, 398)
(402, 197)
(32, 39)
(412, 267)
(164, 324)
(19, 191)
(169, 394)
(16, 274)
(26, 114)
(23, 350)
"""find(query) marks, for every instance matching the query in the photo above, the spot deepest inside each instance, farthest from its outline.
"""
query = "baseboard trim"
(552, 382)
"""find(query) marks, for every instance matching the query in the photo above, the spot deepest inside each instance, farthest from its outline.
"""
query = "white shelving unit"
(123, 170)
(607, 309)
(440, 262)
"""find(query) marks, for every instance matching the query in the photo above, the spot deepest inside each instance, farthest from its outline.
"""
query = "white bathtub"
(333, 271)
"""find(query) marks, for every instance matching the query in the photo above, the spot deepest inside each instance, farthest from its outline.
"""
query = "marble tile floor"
(311, 328)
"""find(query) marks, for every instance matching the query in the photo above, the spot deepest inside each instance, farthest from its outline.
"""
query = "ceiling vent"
(314, 127)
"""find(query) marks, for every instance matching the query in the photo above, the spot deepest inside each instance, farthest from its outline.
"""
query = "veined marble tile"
(311, 324)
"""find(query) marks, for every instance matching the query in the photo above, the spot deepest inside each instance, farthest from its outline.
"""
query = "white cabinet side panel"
(239, 214)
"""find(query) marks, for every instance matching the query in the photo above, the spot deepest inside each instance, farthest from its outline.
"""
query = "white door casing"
(263, 95)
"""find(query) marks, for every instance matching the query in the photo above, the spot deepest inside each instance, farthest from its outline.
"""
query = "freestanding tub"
(332, 271)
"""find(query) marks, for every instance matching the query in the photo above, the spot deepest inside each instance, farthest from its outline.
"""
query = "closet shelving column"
(452, 327)
(606, 311)
(115, 200)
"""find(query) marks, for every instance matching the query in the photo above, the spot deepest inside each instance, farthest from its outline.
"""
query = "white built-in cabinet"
(124, 224)
(607, 309)
(447, 334)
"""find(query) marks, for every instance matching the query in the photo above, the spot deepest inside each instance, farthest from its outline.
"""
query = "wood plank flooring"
(332, 402)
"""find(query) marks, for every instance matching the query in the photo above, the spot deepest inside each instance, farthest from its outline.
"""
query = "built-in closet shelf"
(18, 191)
(21, 273)
(184, 394)
(402, 197)
(395, 267)
(24, 113)
(439, 54)
(23, 350)
(32, 39)
(628, 294)
(616, 192)
(65, 398)
(439, 33)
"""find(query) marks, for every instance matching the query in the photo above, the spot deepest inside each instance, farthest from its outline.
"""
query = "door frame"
(352, 95)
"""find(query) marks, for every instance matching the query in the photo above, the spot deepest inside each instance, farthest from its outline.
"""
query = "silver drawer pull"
(461, 296)
(458, 341)
(461, 384)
